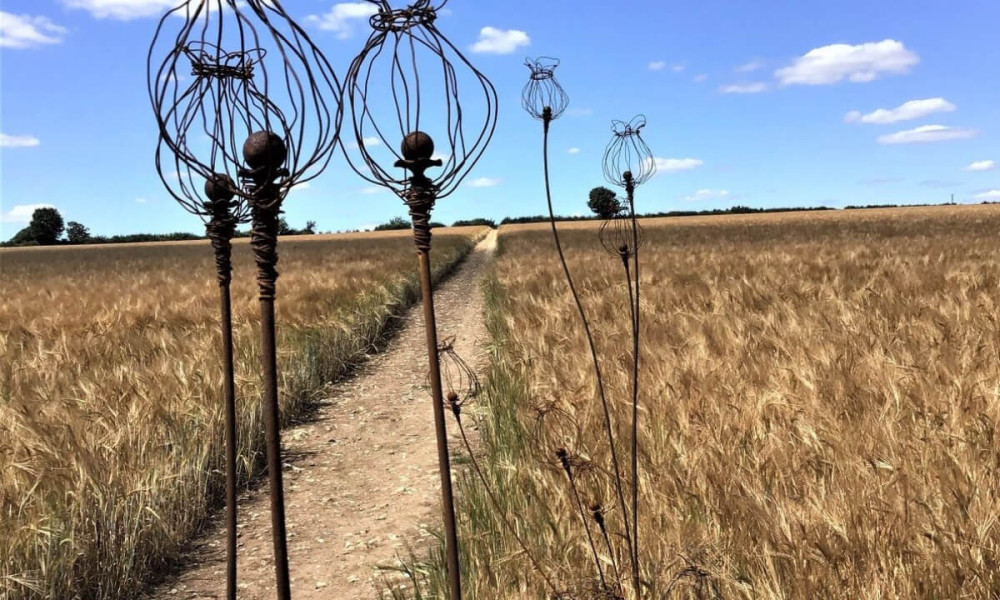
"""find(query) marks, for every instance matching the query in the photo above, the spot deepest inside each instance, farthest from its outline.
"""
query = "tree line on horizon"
(47, 227)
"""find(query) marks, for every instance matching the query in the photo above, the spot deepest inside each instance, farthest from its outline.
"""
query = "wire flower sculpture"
(408, 55)
(616, 236)
(628, 162)
(544, 98)
(247, 107)
(459, 381)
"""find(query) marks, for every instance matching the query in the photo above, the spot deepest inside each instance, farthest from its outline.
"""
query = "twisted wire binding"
(542, 91)
(233, 68)
(399, 41)
(627, 158)
(264, 245)
(220, 230)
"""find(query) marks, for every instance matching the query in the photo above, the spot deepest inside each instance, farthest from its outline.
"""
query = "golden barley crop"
(110, 389)
(820, 409)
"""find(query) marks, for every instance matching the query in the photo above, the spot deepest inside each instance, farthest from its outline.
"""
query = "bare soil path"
(361, 482)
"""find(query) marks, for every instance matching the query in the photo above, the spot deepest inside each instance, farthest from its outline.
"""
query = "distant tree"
(23, 237)
(435, 225)
(603, 202)
(310, 228)
(283, 228)
(46, 226)
(394, 223)
(76, 233)
(479, 221)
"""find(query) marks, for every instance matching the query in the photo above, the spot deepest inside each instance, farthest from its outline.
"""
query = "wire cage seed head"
(628, 161)
(542, 97)
(408, 55)
(220, 188)
(231, 75)
(617, 236)
(458, 380)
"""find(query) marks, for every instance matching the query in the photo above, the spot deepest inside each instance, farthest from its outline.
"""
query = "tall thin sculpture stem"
(609, 430)
(630, 190)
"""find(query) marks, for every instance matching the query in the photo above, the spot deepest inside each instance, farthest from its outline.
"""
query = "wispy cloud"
(982, 165)
(372, 189)
(907, 111)
(579, 112)
(858, 63)
(21, 213)
(749, 67)
(26, 31)
(18, 141)
(340, 19)
(706, 194)
(988, 195)
(673, 165)
(141, 200)
(122, 10)
(574, 150)
(500, 41)
(700, 78)
(753, 87)
(927, 133)
(880, 180)
(484, 182)
(657, 65)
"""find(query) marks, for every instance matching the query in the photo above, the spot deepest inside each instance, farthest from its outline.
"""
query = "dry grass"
(820, 410)
(110, 385)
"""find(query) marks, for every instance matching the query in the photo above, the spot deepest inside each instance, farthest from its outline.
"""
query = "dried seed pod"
(542, 97)
(242, 97)
(628, 161)
(407, 54)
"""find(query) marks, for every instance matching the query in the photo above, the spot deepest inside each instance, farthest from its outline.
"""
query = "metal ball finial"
(220, 188)
(417, 146)
(265, 150)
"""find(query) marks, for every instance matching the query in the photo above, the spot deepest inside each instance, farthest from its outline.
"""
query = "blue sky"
(764, 103)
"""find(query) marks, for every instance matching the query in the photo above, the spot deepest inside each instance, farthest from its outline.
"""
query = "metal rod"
(230, 407)
(630, 190)
(264, 241)
(220, 231)
(444, 462)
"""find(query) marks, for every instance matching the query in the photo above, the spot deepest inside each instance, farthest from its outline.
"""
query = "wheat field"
(110, 389)
(819, 410)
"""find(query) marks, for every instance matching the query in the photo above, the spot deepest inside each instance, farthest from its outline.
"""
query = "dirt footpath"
(361, 481)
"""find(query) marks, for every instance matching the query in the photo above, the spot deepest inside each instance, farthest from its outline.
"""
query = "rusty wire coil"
(407, 79)
(231, 69)
(627, 158)
(543, 90)
(617, 237)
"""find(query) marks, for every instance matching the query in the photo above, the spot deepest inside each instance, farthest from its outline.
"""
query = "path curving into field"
(361, 481)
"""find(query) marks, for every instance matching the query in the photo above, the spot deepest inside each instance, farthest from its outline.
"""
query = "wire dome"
(543, 90)
(617, 237)
(459, 381)
(219, 71)
(627, 159)
(406, 80)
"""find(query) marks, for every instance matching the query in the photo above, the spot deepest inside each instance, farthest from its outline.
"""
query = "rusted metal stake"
(220, 231)
(264, 242)
(420, 196)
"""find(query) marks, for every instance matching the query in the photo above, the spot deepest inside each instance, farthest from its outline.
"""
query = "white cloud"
(677, 68)
(706, 194)
(18, 141)
(657, 65)
(25, 31)
(369, 142)
(484, 182)
(580, 112)
(754, 87)
(990, 195)
(574, 150)
(340, 17)
(499, 41)
(700, 78)
(749, 67)
(859, 63)
(672, 165)
(372, 189)
(21, 213)
(141, 201)
(981, 165)
(914, 109)
(927, 133)
(123, 10)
